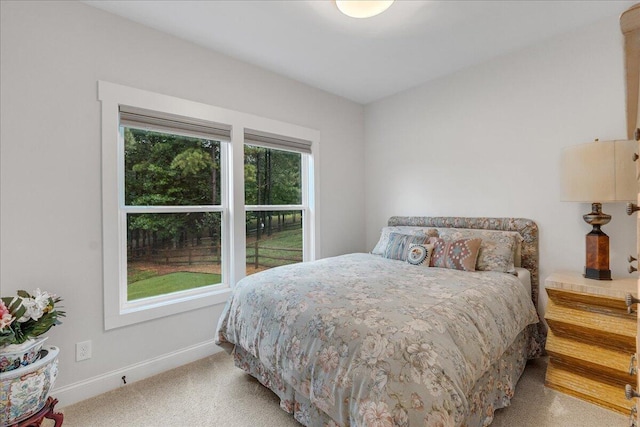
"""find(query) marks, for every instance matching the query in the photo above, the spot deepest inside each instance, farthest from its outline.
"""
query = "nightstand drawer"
(590, 357)
(610, 396)
(618, 329)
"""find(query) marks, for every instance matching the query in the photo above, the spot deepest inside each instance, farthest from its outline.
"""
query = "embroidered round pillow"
(419, 254)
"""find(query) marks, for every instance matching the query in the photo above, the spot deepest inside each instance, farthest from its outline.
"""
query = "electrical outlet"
(83, 350)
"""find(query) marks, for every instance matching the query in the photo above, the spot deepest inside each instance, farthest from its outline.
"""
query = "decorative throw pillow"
(458, 255)
(401, 229)
(419, 254)
(398, 245)
(498, 249)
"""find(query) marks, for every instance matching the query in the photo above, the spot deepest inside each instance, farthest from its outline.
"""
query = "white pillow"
(381, 246)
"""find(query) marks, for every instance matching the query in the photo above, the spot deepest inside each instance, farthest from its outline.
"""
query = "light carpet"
(212, 392)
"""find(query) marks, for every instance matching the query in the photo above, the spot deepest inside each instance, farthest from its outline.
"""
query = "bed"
(371, 339)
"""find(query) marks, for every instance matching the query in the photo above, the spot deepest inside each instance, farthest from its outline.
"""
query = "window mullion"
(236, 206)
(306, 227)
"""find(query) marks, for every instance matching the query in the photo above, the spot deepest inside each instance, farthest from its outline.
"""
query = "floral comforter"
(376, 342)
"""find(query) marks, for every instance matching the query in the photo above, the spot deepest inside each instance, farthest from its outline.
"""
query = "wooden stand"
(46, 412)
(591, 338)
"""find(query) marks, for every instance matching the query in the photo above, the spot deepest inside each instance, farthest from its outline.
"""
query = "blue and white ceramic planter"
(24, 391)
(14, 356)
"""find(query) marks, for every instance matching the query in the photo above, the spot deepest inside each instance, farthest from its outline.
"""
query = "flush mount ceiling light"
(363, 8)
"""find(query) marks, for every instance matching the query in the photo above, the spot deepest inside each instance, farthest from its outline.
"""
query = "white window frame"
(117, 310)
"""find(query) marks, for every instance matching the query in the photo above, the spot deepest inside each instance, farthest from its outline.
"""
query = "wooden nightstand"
(591, 338)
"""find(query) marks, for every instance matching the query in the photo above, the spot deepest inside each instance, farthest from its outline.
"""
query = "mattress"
(524, 276)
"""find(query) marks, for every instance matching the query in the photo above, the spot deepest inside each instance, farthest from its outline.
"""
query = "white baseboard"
(81, 390)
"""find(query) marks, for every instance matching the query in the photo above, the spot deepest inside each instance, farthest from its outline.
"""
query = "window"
(194, 199)
(172, 207)
(275, 206)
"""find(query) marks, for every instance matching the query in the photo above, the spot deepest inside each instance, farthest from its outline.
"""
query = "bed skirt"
(492, 391)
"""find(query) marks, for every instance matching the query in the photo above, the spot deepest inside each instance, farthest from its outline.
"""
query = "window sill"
(155, 309)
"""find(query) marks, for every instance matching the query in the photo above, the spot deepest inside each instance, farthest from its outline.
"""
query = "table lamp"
(598, 172)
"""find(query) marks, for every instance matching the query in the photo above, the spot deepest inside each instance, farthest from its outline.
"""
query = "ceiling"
(364, 59)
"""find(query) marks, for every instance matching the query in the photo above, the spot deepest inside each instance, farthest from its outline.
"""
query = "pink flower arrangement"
(5, 317)
(27, 316)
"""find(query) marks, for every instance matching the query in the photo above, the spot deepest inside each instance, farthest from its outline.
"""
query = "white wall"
(486, 141)
(52, 55)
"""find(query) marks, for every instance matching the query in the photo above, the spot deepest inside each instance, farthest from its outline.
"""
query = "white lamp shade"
(601, 171)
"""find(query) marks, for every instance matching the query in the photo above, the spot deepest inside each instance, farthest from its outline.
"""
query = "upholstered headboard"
(526, 227)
